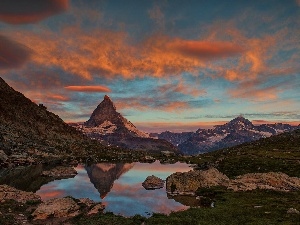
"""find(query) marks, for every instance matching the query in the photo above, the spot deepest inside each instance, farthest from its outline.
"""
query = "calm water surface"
(119, 187)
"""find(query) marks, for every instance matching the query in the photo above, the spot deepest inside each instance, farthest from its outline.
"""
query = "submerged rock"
(153, 182)
(7, 193)
(58, 208)
(272, 181)
(189, 182)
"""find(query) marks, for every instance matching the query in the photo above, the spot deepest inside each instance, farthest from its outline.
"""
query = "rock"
(292, 211)
(271, 181)
(153, 182)
(60, 172)
(7, 192)
(61, 207)
(189, 182)
(96, 209)
(88, 202)
(3, 156)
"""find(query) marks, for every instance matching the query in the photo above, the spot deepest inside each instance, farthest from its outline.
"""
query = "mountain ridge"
(237, 131)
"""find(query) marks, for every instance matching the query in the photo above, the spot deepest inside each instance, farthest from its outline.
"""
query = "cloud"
(175, 126)
(157, 16)
(147, 103)
(206, 49)
(12, 54)
(88, 88)
(30, 11)
(111, 54)
(183, 88)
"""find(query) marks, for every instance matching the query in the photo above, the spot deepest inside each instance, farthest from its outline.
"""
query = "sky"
(167, 65)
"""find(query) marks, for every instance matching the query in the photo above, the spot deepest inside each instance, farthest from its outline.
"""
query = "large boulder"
(153, 182)
(271, 181)
(189, 182)
(8, 193)
(58, 208)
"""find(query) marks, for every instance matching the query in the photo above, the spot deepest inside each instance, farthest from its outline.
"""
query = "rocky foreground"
(58, 209)
(190, 182)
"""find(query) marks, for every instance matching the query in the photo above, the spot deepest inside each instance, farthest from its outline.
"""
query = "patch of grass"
(255, 207)
(108, 219)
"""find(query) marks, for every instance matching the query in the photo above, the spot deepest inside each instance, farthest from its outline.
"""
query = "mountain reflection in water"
(119, 187)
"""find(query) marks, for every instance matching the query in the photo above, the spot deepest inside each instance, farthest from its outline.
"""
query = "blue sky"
(167, 65)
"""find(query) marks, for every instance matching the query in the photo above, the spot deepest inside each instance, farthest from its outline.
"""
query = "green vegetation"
(253, 207)
(279, 153)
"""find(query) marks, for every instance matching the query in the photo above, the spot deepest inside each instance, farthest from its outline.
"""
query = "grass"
(279, 153)
(248, 208)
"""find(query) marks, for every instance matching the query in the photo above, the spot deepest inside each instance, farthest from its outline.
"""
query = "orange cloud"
(256, 94)
(111, 54)
(30, 11)
(259, 122)
(207, 49)
(144, 104)
(88, 88)
(175, 126)
(12, 54)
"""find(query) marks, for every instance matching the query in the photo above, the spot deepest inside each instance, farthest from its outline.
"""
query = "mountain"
(107, 120)
(235, 132)
(103, 175)
(111, 128)
(28, 129)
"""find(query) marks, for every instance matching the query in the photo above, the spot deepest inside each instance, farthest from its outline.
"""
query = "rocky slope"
(235, 132)
(28, 131)
(111, 128)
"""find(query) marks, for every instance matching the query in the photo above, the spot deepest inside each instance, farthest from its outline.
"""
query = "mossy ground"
(253, 208)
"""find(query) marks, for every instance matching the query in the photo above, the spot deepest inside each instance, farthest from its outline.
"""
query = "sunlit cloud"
(88, 88)
(30, 11)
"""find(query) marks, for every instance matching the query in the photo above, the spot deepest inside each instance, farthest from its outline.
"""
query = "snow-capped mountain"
(106, 120)
(111, 128)
(237, 131)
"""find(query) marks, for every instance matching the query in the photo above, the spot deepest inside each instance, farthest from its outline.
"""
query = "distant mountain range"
(235, 132)
(111, 128)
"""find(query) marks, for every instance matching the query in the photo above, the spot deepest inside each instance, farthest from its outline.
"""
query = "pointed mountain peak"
(106, 97)
(241, 122)
(107, 102)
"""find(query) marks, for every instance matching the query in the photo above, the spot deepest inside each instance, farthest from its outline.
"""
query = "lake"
(119, 187)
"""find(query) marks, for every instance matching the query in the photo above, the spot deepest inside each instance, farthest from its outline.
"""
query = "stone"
(60, 172)
(272, 181)
(153, 182)
(189, 182)
(3, 156)
(7, 192)
(57, 208)
(88, 202)
(293, 211)
(96, 209)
